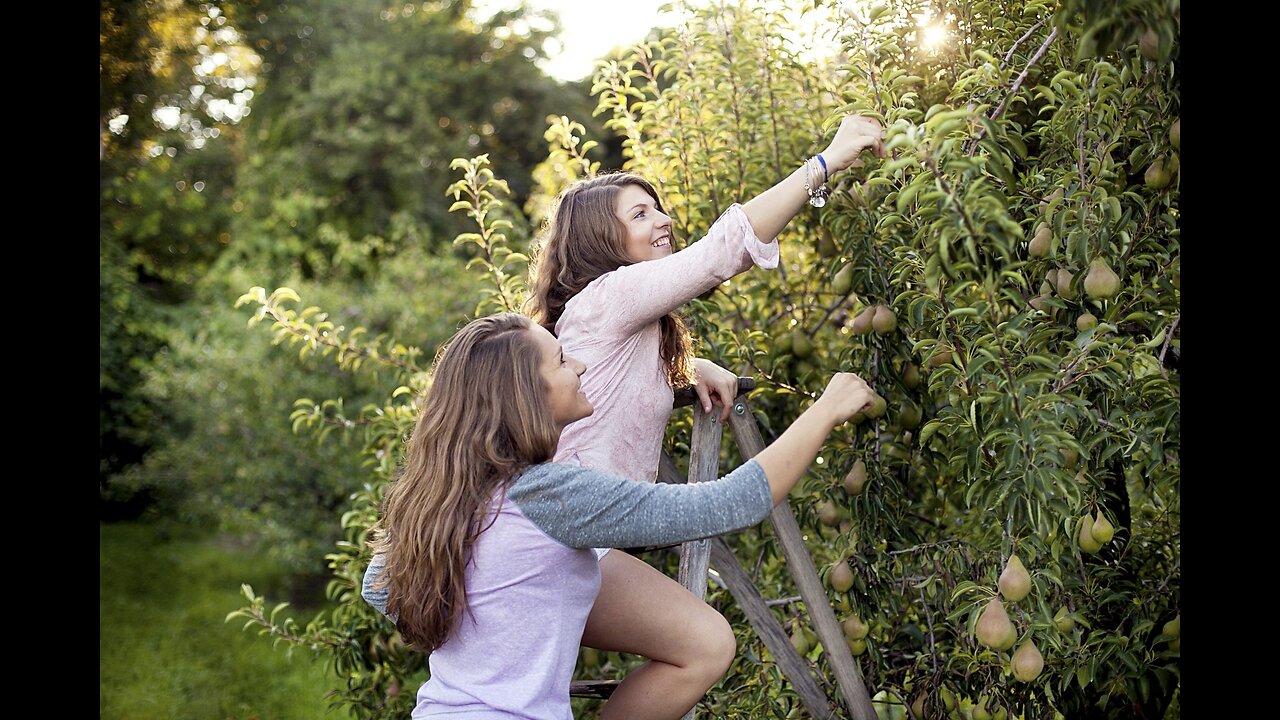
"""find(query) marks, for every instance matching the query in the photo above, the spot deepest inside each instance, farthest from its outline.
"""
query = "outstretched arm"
(772, 209)
(581, 507)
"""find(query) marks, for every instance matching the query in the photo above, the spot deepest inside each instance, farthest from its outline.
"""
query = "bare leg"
(641, 611)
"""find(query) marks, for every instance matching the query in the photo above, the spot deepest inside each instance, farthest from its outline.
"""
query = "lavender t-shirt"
(532, 579)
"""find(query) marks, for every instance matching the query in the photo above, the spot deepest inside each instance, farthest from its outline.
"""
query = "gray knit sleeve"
(580, 507)
(376, 598)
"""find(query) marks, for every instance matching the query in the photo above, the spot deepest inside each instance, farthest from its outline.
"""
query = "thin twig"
(1013, 90)
(1167, 339)
(917, 548)
(1009, 55)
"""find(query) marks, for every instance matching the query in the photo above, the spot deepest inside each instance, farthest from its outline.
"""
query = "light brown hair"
(484, 418)
(583, 240)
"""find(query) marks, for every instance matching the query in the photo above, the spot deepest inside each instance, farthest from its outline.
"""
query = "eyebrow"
(638, 205)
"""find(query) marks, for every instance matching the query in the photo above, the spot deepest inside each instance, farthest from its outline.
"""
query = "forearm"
(787, 458)
(771, 210)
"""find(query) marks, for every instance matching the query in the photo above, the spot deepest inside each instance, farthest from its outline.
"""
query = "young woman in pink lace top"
(608, 284)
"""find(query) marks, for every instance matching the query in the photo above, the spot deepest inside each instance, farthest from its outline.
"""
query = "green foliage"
(164, 649)
(229, 456)
(130, 329)
(504, 267)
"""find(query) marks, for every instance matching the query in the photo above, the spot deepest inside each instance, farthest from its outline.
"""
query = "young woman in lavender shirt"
(484, 554)
(608, 284)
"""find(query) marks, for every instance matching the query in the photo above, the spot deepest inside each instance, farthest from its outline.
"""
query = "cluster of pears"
(1161, 170)
(878, 318)
(855, 633)
(1093, 532)
(1041, 243)
(1100, 283)
(996, 630)
(803, 639)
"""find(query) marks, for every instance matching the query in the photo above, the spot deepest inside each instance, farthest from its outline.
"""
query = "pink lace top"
(612, 326)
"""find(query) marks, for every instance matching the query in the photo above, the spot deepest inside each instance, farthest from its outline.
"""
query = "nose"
(578, 366)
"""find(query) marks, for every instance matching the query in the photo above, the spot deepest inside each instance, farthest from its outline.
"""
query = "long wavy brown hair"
(583, 240)
(484, 418)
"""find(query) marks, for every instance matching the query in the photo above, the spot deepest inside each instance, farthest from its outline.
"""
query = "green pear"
(841, 577)
(1040, 241)
(1086, 321)
(803, 347)
(829, 514)
(917, 706)
(948, 698)
(1175, 134)
(1157, 176)
(1173, 628)
(909, 416)
(1176, 645)
(884, 321)
(1102, 529)
(1070, 456)
(1063, 621)
(854, 628)
(856, 647)
(1149, 45)
(911, 376)
(1015, 582)
(861, 324)
(1063, 283)
(876, 408)
(941, 356)
(980, 711)
(842, 283)
(1055, 195)
(800, 641)
(827, 245)
(994, 628)
(856, 480)
(1101, 282)
(1084, 536)
(1027, 662)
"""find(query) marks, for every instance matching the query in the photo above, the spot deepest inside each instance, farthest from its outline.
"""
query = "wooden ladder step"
(601, 689)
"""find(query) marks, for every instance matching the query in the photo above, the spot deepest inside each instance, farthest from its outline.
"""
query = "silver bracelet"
(817, 195)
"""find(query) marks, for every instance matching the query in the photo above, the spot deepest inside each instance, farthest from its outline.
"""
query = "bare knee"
(715, 647)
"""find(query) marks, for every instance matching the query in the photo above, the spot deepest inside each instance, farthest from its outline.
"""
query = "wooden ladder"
(697, 555)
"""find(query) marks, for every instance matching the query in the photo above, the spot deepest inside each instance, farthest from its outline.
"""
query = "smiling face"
(562, 379)
(648, 229)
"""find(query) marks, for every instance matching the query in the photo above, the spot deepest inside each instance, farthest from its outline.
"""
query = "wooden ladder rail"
(696, 555)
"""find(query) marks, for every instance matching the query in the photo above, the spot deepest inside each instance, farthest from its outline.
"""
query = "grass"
(164, 648)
